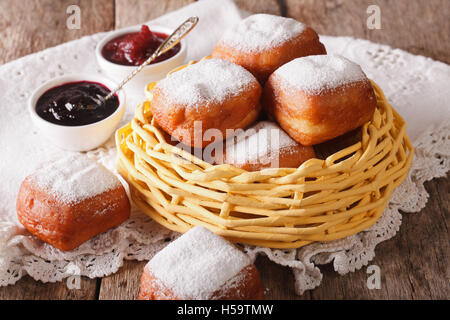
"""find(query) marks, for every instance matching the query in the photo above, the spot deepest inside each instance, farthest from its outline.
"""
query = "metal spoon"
(170, 42)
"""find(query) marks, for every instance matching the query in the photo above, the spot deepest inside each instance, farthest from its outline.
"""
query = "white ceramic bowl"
(150, 73)
(77, 138)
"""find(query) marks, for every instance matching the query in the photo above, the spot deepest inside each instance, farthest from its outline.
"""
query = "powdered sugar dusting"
(261, 32)
(208, 81)
(316, 73)
(263, 140)
(74, 178)
(197, 264)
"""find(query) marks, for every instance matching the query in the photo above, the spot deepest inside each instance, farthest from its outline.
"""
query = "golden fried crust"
(314, 118)
(236, 112)
(262, 64)
(66, 226)
(248, 288)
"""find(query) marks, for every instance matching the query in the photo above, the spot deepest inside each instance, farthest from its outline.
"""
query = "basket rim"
(387, 168)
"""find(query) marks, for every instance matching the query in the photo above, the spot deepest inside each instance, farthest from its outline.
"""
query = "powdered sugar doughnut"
(211, 94)
(70, 200)
(265, 145)
(200, 266)
(261, 43)
(317, 98)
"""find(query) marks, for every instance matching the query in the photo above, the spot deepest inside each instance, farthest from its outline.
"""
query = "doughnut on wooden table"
(322, 200)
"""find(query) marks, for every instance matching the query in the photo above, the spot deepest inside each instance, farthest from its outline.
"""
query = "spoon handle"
(170, 41)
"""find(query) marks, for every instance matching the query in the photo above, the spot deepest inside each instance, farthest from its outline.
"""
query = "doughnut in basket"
(317, 98)
(262, 42)
(212, 94)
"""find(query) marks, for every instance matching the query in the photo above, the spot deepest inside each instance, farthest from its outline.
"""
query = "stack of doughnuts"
(264, 68)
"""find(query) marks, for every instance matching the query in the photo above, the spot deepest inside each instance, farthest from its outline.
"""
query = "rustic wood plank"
(131, 12)
(418, 27)
(413, 264)
(29, 289)
(33, 25)
(260, 6)
(124, 285)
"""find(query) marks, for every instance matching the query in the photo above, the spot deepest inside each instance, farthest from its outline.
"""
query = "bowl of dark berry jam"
(68, 111)
(119, 53)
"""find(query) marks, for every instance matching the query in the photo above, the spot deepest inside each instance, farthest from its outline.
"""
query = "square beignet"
(200, 265)
(317, 98)
(70, 201)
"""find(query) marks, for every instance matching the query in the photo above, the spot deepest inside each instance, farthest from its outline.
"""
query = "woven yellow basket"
(322, 200)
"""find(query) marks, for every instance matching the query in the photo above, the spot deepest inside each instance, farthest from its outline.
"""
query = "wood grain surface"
(414, 264)
(33, 25)
(420, 27)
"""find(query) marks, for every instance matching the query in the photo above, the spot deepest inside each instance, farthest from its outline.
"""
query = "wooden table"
(414, 264)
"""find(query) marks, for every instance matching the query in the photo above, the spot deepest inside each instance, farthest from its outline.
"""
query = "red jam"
(132, 49)
(76, 104)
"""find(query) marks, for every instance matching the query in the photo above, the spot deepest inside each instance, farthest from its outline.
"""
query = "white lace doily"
(415, 85)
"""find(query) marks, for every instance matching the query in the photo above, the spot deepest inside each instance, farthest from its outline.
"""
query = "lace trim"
(139, 238)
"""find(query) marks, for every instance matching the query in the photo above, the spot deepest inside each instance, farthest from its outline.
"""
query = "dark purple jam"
(132, 49)
(76, 104)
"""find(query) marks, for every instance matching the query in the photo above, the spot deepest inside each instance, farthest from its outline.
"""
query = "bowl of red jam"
(67, 111)
(120, 52)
